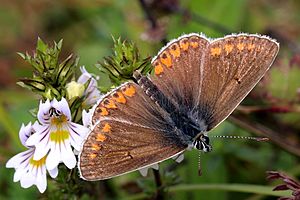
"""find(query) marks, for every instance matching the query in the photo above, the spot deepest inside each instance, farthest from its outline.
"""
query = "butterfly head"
(202, 143)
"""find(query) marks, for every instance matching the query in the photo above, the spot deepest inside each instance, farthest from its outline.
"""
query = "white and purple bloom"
(56, 134)
(91, 93)
(28, 171)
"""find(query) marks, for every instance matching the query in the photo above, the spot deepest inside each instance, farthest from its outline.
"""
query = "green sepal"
(49, 75)
(125, 60)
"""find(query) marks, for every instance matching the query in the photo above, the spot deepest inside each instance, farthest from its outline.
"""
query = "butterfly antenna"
(258, 139)
(199, 164)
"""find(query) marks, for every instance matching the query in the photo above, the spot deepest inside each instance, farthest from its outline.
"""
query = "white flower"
(28, 171)
(56, 134)
(92, 94)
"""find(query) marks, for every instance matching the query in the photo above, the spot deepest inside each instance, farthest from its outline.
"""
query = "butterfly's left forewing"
(130, 132)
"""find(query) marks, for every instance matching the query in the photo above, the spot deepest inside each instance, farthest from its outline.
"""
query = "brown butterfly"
(197, 82)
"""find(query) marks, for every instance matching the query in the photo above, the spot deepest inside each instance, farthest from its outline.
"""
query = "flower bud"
(74, 89)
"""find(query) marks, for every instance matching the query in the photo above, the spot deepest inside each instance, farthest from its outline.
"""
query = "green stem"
(246, 188)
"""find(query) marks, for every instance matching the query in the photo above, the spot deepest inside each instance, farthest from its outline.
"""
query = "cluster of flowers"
(49, 139)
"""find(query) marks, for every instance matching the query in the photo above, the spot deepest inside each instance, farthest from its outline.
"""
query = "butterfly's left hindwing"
(130, 132)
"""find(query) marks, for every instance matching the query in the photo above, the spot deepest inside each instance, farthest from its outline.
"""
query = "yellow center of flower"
(38, 163)
(58, 121)
(59, 134)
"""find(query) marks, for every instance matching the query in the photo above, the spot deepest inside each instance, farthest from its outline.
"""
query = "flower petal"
(25, 132)
(14, 161)
(85, 76)
(38, 136)
(19, 173)
(92, 94)
(53, 157)
(53, 172)
(62, 106)
(20, 159)
(65, 108)
(77, 133)
(27, 180)
(86, 118)
(42, 148)
(92, 97)
(41, 179)
(67, 155)
(43, 113)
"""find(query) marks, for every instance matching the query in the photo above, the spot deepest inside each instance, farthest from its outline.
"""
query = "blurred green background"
(87, 27)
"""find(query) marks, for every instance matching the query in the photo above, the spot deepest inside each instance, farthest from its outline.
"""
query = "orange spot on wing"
(93, 155)
(240, 46)
(175, 50)
(110, 104)
(194, 42)
(228, 48)
(251, 46)
(119, 97)
(100, 137)
(95, 147)
(215, 51)
(129, 91)
(158, 69)
(166, 59)
(106, 128)
(184, 44)
(103, 111)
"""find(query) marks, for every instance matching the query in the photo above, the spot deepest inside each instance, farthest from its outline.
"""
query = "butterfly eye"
(205, 139)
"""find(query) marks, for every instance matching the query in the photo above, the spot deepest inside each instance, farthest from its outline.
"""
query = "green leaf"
(41, 46)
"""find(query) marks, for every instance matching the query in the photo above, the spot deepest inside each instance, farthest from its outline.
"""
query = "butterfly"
(196, 84)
